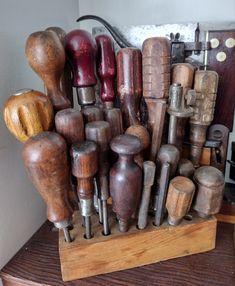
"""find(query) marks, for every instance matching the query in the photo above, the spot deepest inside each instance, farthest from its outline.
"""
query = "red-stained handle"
(81, 50)
(106, 67)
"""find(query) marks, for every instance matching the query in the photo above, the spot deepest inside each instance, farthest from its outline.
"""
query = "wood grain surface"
(37, 263)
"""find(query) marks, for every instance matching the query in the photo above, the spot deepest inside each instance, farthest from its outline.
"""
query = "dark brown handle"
(106, 67)
(69, 124)
(45, 159)
(125, 178)
(84, 158)
(92, 113)
(46, 56)
(129, 83)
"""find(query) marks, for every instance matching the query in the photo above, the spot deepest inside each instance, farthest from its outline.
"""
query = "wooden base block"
(119, 251)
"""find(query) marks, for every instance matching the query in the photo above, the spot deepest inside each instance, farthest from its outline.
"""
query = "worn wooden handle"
(125, 178)
(179, 199)
(129, 83)
(27, 113)
(84, 157)
(106, 68)
(81, 50)
(69, 124)
(114, 117)
(156, 67)
(92, 113)
(45, 159)
(183, 73)
(46, 56)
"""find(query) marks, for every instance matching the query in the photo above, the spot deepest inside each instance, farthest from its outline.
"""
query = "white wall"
(137, 12)
(21, 208)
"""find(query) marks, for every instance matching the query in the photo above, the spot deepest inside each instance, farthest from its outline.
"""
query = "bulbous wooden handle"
(27, 113)
(46, 56)
(81, 50)
(129, 83)
(69, 124)
(106, 67)
(45, 159)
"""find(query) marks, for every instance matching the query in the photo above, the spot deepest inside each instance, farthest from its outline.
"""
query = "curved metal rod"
(118, 37)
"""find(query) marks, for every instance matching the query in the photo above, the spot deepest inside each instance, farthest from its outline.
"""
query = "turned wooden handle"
(183, 73)
(27, 113)
(114, 117)
(129, 83)
(92, 113)
(106, 68)
(125, 178)
(69, 124)
(179, 199)
(156, 67)
(84, 157)
(81, 50)
(45, 159)
(46, 56)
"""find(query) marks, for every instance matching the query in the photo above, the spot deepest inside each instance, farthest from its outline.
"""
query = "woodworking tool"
(92, 113)
(210, 188)
(177, 109)
(45, 159)
(46, 56)
(156, 83)
(125, 179)
(81, 50)
(167, 160)
(66, 78)
(179, 199)
(142, 133)
(149, 168)
(99, 132)
(185, 168)
(69, 124)
(218, 132)
(106, 70)
(28, 112)
(205, 85)
(129, 84)
(84, 158)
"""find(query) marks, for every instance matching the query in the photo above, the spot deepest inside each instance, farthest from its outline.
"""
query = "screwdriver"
(100, 133)
(84, 156)
(46, 56)
(45, 159)
(28, 112)
(106, 70)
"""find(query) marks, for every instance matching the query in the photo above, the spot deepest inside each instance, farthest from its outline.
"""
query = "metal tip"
(67, 235)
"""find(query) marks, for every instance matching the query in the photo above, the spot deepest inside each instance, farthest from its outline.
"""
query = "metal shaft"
(162, 192)
(143, 211)
(172, 130)
(96, 205)
(105, 217)
(88, 233)
(67, 235)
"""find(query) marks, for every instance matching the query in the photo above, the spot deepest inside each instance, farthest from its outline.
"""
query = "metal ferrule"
(62, 224)
(86, 207)
(86, 95)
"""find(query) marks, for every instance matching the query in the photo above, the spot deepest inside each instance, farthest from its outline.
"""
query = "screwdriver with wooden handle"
(27, 113)
(46, 56)
(84, 158)
(66, 78)
(156, 83)
(179, 199)
(106, 70)
(81, 50)
(45, 159)
(100, 133)
(125, 179)
(69, 124)
(129, 84)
